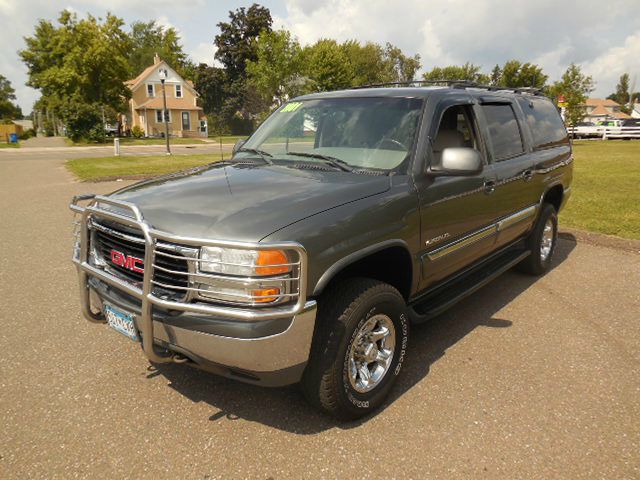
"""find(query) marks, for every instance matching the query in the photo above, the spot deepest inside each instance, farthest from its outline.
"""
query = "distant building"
(635, 113)
(25, 124)
(186, 118)
(598, 109)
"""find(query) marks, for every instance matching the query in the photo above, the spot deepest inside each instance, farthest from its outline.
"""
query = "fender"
(334, 269)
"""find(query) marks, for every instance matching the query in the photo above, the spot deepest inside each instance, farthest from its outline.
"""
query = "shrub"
(83, 121)
(27, 134)
(137, 131)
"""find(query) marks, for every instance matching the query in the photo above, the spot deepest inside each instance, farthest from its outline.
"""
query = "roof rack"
(463, 84)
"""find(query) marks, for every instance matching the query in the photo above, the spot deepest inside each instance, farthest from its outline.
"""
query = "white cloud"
(485, 32)
(607, 68)
(204, 53)
(601, 35)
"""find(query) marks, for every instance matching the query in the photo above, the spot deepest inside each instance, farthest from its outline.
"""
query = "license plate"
(121, 322)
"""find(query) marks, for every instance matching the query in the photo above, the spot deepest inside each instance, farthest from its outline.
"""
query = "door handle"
(489, 186)
(527, 175)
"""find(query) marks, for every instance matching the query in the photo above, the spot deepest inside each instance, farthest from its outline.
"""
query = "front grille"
(131, 244)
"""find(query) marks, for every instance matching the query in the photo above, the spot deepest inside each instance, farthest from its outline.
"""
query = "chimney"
(156, 59)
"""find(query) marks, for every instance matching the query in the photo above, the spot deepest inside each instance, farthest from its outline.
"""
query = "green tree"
(468, 71)
(495, 76)
(368, 63)
(276, 71)
(622, 94)
(236, 45)
(236, 42)
(403, 67)
(210, 82)
(327, 65)
(149, 38)
(8, 109)
(516, 74)
(78, 62)
(575, 87)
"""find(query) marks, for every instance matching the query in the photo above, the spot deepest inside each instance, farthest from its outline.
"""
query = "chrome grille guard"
(98, 207)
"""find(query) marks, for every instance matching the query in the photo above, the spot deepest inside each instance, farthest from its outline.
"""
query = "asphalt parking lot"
(528, 378)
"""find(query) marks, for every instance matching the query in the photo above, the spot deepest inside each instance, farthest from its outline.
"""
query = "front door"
(186, 121)
(457, 213)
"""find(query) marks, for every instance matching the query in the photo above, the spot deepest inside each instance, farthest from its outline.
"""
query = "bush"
(137, 131)
(83, 121)
(27, 134)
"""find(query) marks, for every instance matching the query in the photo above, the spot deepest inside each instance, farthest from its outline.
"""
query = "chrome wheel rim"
(371, 353)
(547, 240)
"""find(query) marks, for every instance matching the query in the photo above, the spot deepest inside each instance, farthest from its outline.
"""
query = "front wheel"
(541, 242)
(358, 349)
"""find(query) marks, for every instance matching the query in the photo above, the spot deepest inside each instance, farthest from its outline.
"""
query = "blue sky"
(603, 36)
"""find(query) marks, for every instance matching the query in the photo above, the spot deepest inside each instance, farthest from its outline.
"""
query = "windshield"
(365, 133)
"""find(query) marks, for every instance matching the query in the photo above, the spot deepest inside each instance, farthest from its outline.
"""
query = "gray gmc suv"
(344, 219)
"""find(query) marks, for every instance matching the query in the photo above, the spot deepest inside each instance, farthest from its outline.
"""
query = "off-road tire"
(534, 264)
(342, 310)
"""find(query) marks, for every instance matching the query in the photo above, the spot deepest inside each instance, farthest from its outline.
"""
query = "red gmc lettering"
(127, 261)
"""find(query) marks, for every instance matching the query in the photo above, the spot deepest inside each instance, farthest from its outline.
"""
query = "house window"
(159, 116)
(178, 91)
(151, 92)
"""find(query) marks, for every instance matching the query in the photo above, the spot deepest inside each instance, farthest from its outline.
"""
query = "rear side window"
(504, 131)
(544, 122)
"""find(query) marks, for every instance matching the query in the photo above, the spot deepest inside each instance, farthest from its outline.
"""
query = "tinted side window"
(544, 122)
(504, 131)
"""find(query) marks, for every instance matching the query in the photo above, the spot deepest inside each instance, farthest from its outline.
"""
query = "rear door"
(517, 192)
(457, 212)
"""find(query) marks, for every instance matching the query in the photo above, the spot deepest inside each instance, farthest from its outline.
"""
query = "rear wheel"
(541, 242)
(358, 349)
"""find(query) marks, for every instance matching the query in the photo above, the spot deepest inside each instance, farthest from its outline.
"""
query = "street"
(527, 378)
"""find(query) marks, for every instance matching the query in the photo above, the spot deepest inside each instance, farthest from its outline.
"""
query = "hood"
(244, 202)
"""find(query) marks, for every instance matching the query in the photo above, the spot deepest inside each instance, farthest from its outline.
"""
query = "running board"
(443, 297)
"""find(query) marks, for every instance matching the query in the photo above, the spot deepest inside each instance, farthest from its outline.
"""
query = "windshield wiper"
(263, 155)
(336, 162)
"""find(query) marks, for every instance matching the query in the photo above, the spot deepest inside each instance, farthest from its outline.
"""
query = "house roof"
(600, 110)
(604, 102)
(145, 73)
(135, 82)
(172, 104)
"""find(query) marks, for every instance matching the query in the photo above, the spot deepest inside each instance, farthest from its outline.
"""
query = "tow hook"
(178, 358)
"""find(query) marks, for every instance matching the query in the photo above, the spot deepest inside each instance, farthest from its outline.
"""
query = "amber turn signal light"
(274, 261)
(264, 295)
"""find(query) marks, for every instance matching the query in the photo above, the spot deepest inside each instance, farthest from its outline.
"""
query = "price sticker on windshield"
(291, 107)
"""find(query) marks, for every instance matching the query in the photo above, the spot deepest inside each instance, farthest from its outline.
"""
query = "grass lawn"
(606, 188)
(109, 168)
(9, 145)
(124, 141)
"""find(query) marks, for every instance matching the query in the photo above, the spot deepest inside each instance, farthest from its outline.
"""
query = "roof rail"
(463, 84)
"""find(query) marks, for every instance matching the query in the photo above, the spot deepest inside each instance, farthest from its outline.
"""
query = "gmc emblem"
(127, 261)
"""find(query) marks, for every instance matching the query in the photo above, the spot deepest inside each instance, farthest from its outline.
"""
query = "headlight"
(247, 263)
(250, 277)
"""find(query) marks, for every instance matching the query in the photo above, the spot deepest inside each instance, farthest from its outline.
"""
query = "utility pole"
(163, 77)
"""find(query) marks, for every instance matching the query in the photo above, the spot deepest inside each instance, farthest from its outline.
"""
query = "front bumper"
(267, 346)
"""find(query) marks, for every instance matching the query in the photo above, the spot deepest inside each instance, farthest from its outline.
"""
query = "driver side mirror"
(458, 161)
(238, 146)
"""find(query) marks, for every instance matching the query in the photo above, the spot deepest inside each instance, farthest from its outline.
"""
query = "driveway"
(528, 378)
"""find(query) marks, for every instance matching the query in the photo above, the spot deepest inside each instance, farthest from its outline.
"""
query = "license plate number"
(121, 322)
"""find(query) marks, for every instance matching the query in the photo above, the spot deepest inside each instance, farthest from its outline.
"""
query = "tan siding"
(153, 128)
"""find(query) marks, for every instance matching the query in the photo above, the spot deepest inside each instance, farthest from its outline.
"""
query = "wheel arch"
(553, 196)
(388, 261)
